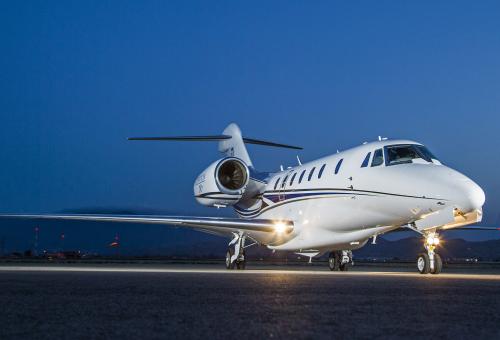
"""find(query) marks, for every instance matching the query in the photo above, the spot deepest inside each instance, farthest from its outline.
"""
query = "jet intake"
(232, 175)
(222, 183)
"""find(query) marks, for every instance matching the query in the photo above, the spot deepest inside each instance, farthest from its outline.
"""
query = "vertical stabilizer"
(234, 147)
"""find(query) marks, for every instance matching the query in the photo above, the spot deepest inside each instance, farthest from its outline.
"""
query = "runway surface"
(204, 301)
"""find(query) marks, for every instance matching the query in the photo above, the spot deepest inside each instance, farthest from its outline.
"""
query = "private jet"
(333, 205)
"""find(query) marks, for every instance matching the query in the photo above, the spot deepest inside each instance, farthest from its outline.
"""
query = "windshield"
(398, 154)
(428, 156)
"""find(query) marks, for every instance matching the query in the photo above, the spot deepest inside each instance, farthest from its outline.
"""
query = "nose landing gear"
(340, 260)
(430, 262)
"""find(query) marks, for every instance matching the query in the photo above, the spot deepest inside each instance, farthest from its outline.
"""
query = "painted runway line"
(106, 269)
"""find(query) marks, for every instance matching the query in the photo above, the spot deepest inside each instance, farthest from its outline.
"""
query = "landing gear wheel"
(241, 264)
(438, 264)
(423, 263)
(333, 261)
(229, 254)
(344, 267)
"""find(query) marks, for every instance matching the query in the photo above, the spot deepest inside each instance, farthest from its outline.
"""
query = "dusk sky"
(79, 77)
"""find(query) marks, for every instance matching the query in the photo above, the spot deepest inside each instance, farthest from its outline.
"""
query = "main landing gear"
(340, 260)
(236, 256)
(430, 262)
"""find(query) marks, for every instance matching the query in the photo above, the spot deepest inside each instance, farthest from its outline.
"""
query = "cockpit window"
(399, 154)
(378, 157)
(366, 160)
(428, 156)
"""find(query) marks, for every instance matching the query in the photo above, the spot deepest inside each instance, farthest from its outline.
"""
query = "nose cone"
(440, 182)
(475, 195)
(459, 190)
(469, 195)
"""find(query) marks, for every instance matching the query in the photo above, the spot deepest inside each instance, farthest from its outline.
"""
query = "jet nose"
(475, 195)
(456, 188)
(472, 196)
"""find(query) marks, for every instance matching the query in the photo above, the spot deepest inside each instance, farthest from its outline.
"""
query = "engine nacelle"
(222, 183)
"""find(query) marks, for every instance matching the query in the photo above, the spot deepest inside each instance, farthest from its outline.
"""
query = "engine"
(223, 183)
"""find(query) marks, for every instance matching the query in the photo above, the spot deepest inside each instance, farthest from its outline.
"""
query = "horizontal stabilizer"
(185, 138)
(266, 143)
(215, 138)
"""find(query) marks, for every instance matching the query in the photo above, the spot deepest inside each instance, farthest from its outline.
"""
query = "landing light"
(280, 227)
(433, 240)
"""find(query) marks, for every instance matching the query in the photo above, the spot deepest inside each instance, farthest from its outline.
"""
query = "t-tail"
(232, 180)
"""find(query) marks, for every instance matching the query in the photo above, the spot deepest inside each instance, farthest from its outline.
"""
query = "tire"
(229, 254)
(242, 261)
(423, 263)
(438, 264)
(241, 264)
(338, 259)
(344, 267)
(333, 261)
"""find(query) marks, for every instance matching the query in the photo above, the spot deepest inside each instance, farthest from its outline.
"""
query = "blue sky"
(78, 77)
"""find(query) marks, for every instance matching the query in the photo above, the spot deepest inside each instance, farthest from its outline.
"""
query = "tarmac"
(47, 301)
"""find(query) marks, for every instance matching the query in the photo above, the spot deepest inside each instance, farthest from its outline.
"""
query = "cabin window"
(276, 184)
(302, 176)
(337, 168)
(378, 157)
(284, 181)
(292, 179)
(366, 161)
(321, 171)
(311, 174)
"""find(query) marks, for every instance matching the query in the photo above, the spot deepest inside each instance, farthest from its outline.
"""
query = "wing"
(221, 226)
(475, 227)
(442, 230)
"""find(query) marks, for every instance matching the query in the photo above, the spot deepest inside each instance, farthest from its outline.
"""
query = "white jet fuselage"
(340, 206)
